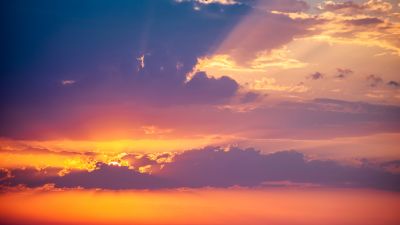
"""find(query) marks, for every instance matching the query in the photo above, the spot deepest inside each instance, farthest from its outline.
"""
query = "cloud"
(154, 130)
(140, 60)
(343, 73)
(217, 167)
(283, 5)
(374, 80)
(364, 21)
(261, 31)
(68, 82)
(4, 174)
(206, 2)
(309, 119)
(111, 177)
(202, 88)
(249, 97)
(270, 84)
(393, 84)
(316, 76)
(266, 5)
(377, 6)
(332, 6)
(370, 24)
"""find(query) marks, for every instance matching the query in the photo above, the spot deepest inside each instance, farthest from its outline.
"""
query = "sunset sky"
(282, 112)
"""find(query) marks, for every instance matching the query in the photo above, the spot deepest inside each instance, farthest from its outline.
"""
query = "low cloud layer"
(215, 167)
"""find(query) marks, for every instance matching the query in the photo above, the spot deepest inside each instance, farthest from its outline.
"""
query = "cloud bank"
(215, 167)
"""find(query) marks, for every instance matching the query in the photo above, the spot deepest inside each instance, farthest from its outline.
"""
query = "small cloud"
(206, 2)
(374, 80)
(377, 6)
(316, 76)
(149, 130)
(141, 62)
(364, 21)
(271, 85)
(343, 73)
(68, 82)
(179, 65)
(393, 84)
(250, 97)
(333, 6)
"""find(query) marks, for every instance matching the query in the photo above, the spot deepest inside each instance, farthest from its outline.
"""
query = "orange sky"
(202, 206)
(223, 112)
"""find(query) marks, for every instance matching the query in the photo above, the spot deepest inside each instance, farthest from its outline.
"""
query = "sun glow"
(202, 206)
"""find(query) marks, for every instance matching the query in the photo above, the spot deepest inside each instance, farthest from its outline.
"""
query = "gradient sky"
(172, 94)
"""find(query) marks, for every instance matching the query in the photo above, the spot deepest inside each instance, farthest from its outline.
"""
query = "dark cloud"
(111, 177)
(374, 80)
(4, 174)
(216, 167)
(364, 21)
(393, 84)
(31, 177)
(392, 166)
(250, 97)
(205, 89)
(343, 73)
(316, 76)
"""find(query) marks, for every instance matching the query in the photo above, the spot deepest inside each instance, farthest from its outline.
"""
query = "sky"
(200, 100)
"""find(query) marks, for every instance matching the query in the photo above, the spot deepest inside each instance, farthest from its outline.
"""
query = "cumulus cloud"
(203, 88)
(217, 167)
